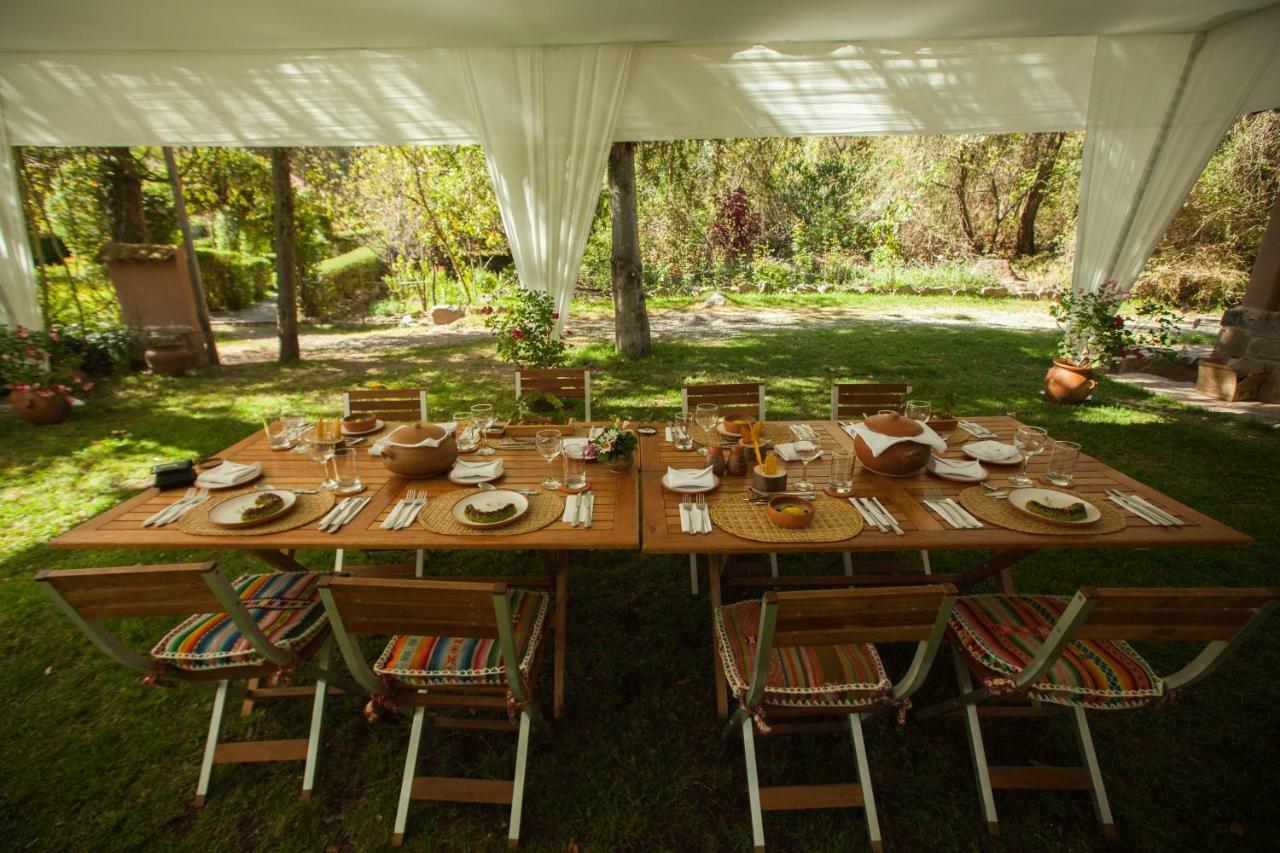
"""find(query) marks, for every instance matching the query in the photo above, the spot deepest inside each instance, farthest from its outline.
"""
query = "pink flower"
(62, 389)
(23, 333)
(53, 336)
(22, 387)
(86, 385)
(44, 392)
(69, 398)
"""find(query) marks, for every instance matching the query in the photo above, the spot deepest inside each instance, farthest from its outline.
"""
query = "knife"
(869, 513)
(1169, 519)
(888, 517)
(591, 507)
(352, 511)
(1136, 509)
(331, 514)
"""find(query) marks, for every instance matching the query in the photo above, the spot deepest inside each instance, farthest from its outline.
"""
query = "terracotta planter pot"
(1068, 383)
(40, 410)
(168, 359)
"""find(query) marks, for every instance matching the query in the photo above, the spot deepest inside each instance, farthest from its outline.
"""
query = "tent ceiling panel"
(39, 25)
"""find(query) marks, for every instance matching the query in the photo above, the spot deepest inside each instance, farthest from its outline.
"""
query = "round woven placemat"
(999, 512)
(833, 521)
(309, 508)
(437, 516)
(773, 433)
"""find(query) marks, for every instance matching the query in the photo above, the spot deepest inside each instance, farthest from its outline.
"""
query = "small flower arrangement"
(44, 364)
(524, 331)
(1094, 334)
(613, 444)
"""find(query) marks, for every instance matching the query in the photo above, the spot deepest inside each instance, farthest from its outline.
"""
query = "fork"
(163, 516)
(704, 514)
(417, 499)
(686, 512)
(936, 501)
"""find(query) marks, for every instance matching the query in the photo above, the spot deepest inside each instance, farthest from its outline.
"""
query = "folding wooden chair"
(567, 383)
(857, 400)
(742, 398)
(259, 627)
(1039, 650)
(404, 404)
(454, 645)
(814, 649)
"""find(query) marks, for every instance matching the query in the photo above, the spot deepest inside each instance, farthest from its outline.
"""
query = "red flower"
(44, 392)
(62, 389)
(517, 334)
(22, 387)
(53, 336)
(23, 333)
(86, 385)
(1117, 321)
(69, 398)
(555, 315)
(567, 332)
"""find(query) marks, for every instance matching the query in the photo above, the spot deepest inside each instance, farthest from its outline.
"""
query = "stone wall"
(1249, 342)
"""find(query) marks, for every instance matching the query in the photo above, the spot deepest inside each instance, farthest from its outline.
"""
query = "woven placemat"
(833, 520)
(544, 508)
(957, 437)
(1000, 513)
(309, 508)
(773, 433)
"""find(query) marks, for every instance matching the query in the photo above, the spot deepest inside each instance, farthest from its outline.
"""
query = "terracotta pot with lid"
(903, 459)
(401, 457)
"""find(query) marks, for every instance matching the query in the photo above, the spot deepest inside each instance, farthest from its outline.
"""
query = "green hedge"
(344, 286)
(233, 280)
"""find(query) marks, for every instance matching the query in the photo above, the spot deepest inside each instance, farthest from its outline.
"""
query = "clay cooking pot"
(900, 460)
(401, 458)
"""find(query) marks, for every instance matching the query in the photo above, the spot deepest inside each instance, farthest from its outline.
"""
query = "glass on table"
(294, 425)
(481, 420)
(279, 435)
(1063, 456)
(1029, 441)
(549, 443)
(465, 432)
(918, 410)
(841, 480)
(346, 471)
(806, 452)
(575, 466)
(320, 446)
(681, 426)
(706, 415)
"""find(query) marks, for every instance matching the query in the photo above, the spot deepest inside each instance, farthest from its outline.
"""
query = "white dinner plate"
(490, 500)
(254, 472)
(983, 456)
(689, 490)
(946, 473)
(1018, 499)
(376, 426)
(227, 512)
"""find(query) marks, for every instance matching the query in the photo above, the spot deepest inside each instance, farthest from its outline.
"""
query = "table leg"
(557, 563)
(715, 566)
(998, 563)
(247, 707)
(281, 561)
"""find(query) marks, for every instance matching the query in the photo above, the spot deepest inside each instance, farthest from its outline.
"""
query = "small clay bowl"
(359, 423)
(792, 519)
(735, 426)
(943, 426)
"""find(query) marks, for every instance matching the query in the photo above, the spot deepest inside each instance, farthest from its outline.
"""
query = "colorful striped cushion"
(848, 676)
(1002, 633)
(430, 661)
(286, 606)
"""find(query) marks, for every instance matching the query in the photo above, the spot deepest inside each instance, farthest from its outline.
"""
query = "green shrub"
(233, 280)
(344, 286)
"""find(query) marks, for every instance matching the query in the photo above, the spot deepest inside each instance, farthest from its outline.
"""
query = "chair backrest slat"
(412, 606)
(740, 398)
(890, 614)
(567, 383)
(1170, 613)
(401, 404)
(853, 399)
(135, 591)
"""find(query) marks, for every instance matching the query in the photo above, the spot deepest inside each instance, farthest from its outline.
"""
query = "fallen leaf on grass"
(48, 670)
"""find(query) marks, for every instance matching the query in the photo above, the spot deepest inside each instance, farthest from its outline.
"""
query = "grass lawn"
(91, 759)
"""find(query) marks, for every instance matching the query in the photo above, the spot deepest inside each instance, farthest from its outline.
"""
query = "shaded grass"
(89, 758)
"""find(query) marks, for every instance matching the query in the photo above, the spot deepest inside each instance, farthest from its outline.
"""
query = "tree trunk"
(193, 265)
(123, 181)
(630, 318)
(286, 263)
(1026, 242)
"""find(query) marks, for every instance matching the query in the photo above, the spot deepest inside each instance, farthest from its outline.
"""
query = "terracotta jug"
(715, 458)
(738, 464)
(899, 460)
(1068, 383)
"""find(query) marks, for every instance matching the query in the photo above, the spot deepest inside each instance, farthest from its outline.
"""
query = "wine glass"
(481, 420)
(707, 416)
(319, 446)
(1029, 441)
(549, 445)
(806, 452)
(918, 410)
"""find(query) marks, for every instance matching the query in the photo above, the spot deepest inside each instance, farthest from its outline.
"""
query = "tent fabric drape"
(546, 117)
(18, 304)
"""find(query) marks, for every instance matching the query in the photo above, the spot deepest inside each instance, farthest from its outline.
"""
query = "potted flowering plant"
(41, 370)
(1096, 336)
(615, 446)
(524, 329)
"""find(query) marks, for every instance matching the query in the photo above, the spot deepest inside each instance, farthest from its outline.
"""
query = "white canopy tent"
(546, 87)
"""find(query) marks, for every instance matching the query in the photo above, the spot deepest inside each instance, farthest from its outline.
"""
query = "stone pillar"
(1249, 340)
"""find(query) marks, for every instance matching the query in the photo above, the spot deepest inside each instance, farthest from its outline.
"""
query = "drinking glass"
(294, 426)
(707, 415)
(918, 410)
(278, 435)
(841, 480)
(345, 471)
(806, 452)
(682, 430)
(549, 445)
(465, 432)
(319, 445)
(482, 419)
(1062, 463)
(575, 466)
(1029, 441)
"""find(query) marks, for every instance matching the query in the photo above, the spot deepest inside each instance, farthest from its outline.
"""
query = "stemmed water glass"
(707, 416)
(294, 427)
(481, 420)
(1029, 441)
(549, 445)
(918, 410)
(319, 446)
(806, 452)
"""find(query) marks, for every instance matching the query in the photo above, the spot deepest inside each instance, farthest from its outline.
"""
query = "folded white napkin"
(956, 467)
(997, 450)
(571, 508)
(691, 478)
(464, 470)
(880, 443)
(227, 473)
(787, 451)
(803, 432)
(390, 438)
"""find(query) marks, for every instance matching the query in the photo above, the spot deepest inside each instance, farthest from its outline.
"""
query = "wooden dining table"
(615, 519)
(922, 530)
